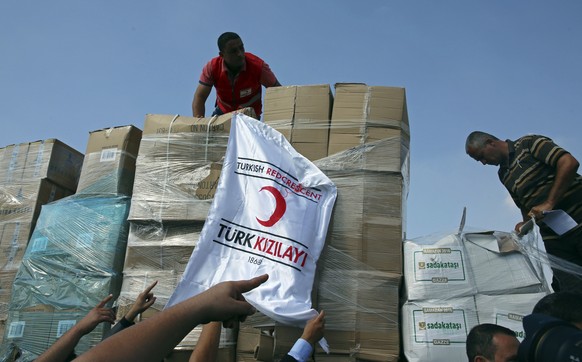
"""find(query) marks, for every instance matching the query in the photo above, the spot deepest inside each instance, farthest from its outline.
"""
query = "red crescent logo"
(280, 207)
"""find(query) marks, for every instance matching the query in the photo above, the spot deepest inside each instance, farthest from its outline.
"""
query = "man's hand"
(225, 303)
(537, 211)
(144, 300)
(95, 316)
(314, 329)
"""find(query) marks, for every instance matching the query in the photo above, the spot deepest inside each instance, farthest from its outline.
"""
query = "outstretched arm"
(155, 337)
(65, 345)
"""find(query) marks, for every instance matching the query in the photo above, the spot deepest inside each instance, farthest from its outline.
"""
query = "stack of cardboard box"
(72, 262)
(368, 159)
(31, 175)
(367, 139)
(460, 280)
(301, 114)
(177, 171)
(76, 252)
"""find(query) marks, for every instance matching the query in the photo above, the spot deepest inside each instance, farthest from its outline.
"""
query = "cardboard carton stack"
(73, 260)
(460, 280)
(31, 175)
(76, 252)
(368, 160)
(177, 171)
(367, 141)
(302, 115)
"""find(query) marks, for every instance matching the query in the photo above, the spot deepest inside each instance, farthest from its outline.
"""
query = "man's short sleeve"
(268, 79)
(545, 150)
(206, 77)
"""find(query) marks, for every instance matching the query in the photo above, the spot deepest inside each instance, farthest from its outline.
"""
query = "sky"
(69, 67)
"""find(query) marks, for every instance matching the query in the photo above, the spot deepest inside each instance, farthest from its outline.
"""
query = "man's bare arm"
(199, 101)
(566, 169)
(155, 337)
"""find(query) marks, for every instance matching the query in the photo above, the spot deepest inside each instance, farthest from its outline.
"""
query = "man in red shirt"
(237, 77)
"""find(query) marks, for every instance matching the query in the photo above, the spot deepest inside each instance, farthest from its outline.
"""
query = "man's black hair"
(480, 340)
(225, 38)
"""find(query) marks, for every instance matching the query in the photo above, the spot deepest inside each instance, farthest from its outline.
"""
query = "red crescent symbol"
(280, 207)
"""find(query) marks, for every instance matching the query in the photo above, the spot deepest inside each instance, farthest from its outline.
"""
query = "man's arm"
(155, 337)
(566, 169)
(207, 347)
(199, 101)
(65, 345)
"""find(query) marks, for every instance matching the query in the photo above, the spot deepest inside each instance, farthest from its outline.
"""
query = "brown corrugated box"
(301, 114)
(14, 237)
(178, 166)
(51, 159)
(12, 163)
(371, 332)
(54, 160)
(109, 165)
(363, 114)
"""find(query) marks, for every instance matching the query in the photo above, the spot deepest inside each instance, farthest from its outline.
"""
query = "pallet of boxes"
(360, 140)
(76, 251)
(31, 175)
(177, 171)
(456, 281)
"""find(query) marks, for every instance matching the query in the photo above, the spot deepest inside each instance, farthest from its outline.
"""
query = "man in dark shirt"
(540, 176)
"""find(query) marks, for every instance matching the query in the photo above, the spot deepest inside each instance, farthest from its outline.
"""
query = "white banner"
(270, 214)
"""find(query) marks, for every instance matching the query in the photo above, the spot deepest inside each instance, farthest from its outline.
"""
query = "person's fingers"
(321, 316)
(149, 289)
(248, 285)
(150, 302)
(105, 301)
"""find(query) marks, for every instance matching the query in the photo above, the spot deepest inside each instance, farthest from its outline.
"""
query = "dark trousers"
(567, 277)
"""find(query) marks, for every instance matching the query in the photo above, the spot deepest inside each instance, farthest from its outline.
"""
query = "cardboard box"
(178, 167)
(2, 331)
(62, 321)
(436, 330)
(301, 114)
(22, 202)
(109, 165)
(12, 163)
(367, 318)
(29, 330)
(14, 237)
(54, 160)
(363, 114)
(83, 234)
(369, 218)
(166, 247)
(6, 280)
